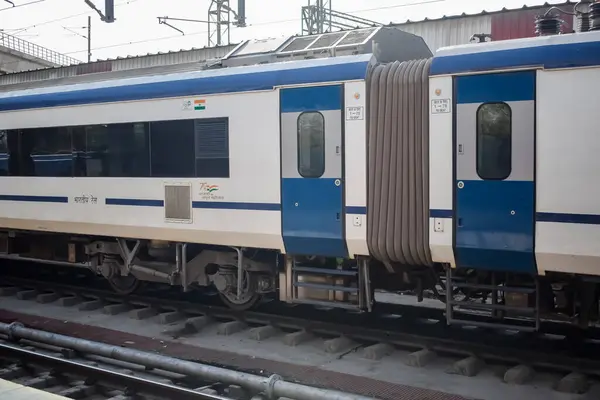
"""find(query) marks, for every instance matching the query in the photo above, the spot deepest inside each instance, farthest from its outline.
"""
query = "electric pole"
(219, 21)
(319, 17)
(89, 38)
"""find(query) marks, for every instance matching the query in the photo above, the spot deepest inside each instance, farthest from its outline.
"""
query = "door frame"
(534, 72)
(342, 177)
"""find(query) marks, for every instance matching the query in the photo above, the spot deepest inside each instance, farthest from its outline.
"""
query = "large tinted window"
(46, 152)
(172, 148)
(4, 155)
(116, 150)
(179, 148)
(494, 141)
(311, 144)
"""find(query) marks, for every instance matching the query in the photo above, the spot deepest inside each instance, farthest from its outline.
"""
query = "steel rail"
(138, 384)
(273, 386)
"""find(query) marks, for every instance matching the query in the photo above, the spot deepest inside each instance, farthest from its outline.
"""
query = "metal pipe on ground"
(273, 386)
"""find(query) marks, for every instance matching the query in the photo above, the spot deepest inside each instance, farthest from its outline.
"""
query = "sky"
(59, 24)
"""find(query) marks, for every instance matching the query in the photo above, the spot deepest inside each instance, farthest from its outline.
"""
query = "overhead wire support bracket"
(109, 10)
(163, 21)
(219, 21)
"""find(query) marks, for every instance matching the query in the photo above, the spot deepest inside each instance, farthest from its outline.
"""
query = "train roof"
(548, 52)
(192, 83)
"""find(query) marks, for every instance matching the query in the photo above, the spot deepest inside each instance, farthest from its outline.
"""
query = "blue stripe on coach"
(236, 206)
(568, 55)
(564, 218)
(266, 78)
(356, 210)
(321, 98)
(218, 205)
(433, 213)
(134, 202)
(587, 219)
(486, 88)
(34, 199)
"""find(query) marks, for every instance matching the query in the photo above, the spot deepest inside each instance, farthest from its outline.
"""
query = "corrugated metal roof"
(449, 32)
(180, 57)
(493, 12)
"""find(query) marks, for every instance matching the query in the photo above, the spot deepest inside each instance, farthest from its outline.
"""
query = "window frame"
(298, 147)
(477, 137)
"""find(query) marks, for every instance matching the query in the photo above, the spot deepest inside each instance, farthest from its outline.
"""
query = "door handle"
(459, 223)
(337, 150)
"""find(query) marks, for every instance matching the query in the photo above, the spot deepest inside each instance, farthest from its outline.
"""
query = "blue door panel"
(312, 207)
(312, 98)
(495, 88)
(495, 218)
(312, 213)
(495, 225)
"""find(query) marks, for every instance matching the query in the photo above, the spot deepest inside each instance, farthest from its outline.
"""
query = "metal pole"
(273, 386)
(89, 38)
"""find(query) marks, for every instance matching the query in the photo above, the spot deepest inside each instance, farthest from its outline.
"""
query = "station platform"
(13, 391)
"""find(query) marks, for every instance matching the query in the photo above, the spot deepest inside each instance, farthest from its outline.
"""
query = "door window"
(311, 144)
(494, 141)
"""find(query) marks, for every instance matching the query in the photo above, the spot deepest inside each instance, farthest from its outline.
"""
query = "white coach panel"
(356, 168)
(440, 169)
(253, 187)
(568, 183)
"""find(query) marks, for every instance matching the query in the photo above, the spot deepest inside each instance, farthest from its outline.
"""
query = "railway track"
(71, 375)
(82, 369)
(573, 364)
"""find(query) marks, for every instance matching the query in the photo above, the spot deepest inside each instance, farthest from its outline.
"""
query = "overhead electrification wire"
(127, 2)
(19, 5)
(419, 3)
(121, 44)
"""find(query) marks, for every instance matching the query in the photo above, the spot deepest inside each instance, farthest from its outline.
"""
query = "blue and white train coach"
(473, 172)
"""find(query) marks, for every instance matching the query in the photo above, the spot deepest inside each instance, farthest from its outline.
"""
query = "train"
(321, 170)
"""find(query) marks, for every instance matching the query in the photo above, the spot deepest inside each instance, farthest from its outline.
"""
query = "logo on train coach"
(197, 104)
(209, 192)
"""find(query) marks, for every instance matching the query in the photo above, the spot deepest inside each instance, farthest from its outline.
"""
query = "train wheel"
(246, 302)
(249, 297)
(124, 284)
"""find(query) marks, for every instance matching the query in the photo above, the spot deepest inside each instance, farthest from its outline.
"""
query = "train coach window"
(494, 141)
(212, 147)
(46, 152)
(111, 150)
(311, 144)
(172, 149)
(4, 154)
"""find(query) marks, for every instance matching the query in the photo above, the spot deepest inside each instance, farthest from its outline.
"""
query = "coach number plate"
(440, 106)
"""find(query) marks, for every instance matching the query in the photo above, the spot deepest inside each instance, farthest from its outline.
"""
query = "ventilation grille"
(212, 139)
(178, 202)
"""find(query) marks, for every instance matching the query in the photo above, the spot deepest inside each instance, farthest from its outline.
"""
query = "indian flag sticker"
(199, 104)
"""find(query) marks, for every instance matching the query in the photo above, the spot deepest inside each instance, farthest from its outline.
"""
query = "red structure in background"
(516, 24)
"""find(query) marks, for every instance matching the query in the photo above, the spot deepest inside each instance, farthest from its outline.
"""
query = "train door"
(494, 169)
(312, 184)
